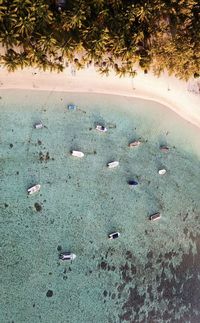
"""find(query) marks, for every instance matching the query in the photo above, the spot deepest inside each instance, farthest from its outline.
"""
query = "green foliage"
(114, 34)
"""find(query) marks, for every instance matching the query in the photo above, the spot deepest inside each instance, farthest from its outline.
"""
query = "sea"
(151, 273)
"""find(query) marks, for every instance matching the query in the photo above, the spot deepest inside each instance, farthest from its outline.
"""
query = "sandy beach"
(166, 90)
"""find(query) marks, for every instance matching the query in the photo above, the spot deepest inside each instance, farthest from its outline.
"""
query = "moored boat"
(113, 235)
(72, 107)
(162, 171)
(38, 125)
(67, 256)
(135, 143)
(155, 216)
(101, 128)
(34, 189)
(113, 164)
(132, 183)
(164, 149)
(77, 153)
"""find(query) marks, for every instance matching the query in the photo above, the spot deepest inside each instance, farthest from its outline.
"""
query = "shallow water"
(151, 273)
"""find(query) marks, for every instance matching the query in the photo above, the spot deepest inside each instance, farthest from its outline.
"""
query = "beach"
(147, 273)
(166, 89)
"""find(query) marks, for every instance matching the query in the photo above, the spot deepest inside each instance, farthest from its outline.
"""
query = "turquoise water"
(151, 273)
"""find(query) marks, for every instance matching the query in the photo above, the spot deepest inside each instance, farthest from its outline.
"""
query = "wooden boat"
(164, 149)
(101, 128)
(113, 235)
(113, 164)
(67, 256)
(34, 189)
(134, 144)
(154, 217)
(77, 153)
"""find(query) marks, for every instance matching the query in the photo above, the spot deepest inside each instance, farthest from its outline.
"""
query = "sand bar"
(166, 90)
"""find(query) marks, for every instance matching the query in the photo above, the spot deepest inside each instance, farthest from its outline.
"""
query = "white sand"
(166, 90)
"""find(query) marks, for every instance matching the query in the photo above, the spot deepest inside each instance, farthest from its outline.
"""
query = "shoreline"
(165, 90)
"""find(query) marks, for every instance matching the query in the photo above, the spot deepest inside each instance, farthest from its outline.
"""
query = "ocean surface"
(152, 272)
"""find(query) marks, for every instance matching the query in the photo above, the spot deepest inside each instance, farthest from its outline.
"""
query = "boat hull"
(113, 164)
(78, 154)
(34, 189)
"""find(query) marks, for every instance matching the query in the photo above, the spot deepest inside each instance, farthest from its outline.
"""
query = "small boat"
(77, 153)
(34, 189)
(113, 235)
(67, 256)
(164, 149)
(132, 183)
(101, 128)
(113, 164)
(162, 171)
(154, 217)
(134, 144)
(72, 107)
(38, 125)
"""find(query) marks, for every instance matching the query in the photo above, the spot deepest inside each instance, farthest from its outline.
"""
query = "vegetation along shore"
(113, 34)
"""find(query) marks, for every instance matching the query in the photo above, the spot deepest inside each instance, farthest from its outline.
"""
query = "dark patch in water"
(44, 157)
(49, 293)
(150, 254)
(125, 272)
(38, 207)
(105, 293)
(134, 303)
(129, 255)
(11, 145)
(17, 173)
(59, 248)
(176, 286)
(113, 296)
(39, 142)
(6, 205)
(103, 265)
(170, 255)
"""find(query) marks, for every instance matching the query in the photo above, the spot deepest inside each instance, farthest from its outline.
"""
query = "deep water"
(152, 272)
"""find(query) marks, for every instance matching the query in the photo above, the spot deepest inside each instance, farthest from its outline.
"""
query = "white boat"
(134, 144)
(77, 153)
(113, 164)
(67, 256)
(38, 125)
(162, 171)
(34, 189)
(113, 235)
(101, 128)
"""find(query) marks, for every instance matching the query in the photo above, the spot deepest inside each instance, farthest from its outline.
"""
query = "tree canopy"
(114, 34)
